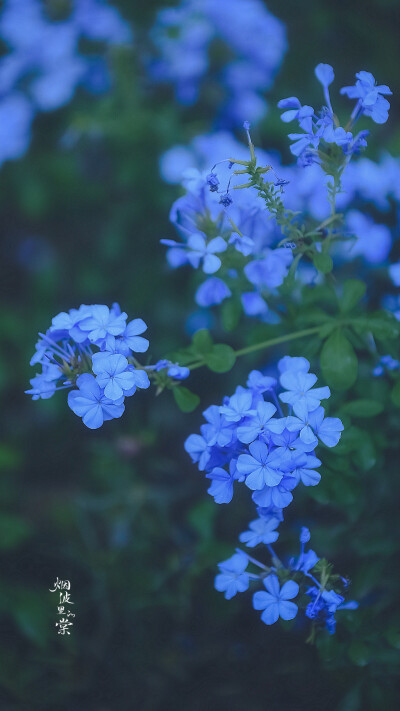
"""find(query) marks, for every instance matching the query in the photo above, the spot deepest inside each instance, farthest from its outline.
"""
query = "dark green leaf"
(323, 262)
(221, 359)
(363, 408)
(202, 342)
(185, 399)
(339, 362)
(353, 291)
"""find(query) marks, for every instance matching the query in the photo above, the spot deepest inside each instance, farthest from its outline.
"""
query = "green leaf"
(339, 363)
(221, 359)
(185, 399)
(323, 262)
(202, 342)
(363, 408)
(395, 394)
(353, 291)
(230, 314)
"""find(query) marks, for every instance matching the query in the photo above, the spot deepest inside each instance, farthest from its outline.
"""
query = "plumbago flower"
(249, 440)
(92, 351)
(320, 130)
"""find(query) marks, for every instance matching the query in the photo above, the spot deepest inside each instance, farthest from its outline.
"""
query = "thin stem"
(265, 344)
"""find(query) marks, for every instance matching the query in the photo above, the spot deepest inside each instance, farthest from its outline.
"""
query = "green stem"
(265, 344)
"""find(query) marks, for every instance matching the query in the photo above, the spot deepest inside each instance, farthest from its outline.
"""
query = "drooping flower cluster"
(323, 128)
(249, 440)
(90, 350)
(44, 66)
(184, 35)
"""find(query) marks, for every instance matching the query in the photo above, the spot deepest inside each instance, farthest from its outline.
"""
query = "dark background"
(120, 511)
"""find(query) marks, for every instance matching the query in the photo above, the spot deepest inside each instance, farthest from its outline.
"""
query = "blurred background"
(92, 95)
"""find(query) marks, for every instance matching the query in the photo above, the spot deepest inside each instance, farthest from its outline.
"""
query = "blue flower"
(275, 602)
(302, 141)
(222, 483)
(294, 109)
(113, 374)
(90, 403)
(262, 530)
(232, 578)
(253, 304)
(324, 74)
(244, 245)
(371, 101)
(238, 406)
(262, 467)
(102, 322)
(299, 393)
(271, 270)
(324, 605)
(199, 249)
(198, 446)
(327, 429)
(260, 423)
(261, 383)
(211, 292)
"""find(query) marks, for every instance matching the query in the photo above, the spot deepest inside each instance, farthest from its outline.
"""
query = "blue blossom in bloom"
(261, 467)
(294, 109)
(238, 406)
(275, 602)
(261, 423)
(222, 483)
(302, 141)
(371, 101)
(253, 304)
(233, 578)
(299, 393)
(211, 292)
(90, 402)
(244, 245)
(269, 455)
(262, 530)
(271, 270)
(113, 374)
(261, 383)
(82, 349)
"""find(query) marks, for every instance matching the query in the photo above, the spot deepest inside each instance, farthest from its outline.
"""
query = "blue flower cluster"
(202, 212)
(183, 37)
(43, 66)
(324, 126)
(250, 440)
(284, 583)
(91, 349)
